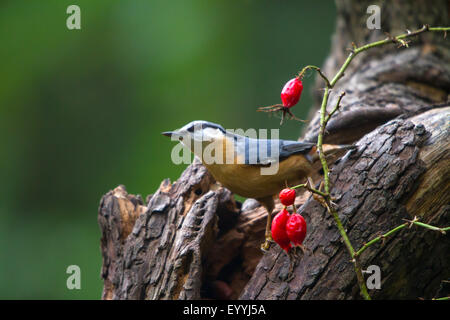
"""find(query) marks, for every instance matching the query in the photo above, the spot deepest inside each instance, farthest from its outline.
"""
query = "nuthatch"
(241, 161)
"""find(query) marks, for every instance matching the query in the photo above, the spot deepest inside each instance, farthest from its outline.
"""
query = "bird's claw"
(266, 245)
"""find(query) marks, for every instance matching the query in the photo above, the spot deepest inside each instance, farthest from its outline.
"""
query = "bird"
(238, 162)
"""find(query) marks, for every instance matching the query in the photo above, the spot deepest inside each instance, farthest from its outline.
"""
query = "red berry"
(296, 229)
(279, 234)
(287, 196)
(291, 92)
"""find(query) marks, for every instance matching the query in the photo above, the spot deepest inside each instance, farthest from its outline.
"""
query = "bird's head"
(197, 132)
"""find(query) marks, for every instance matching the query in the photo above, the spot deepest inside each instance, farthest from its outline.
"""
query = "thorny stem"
(398, 39)
(336, 107)
(324, 118)
(383, 236)
(323, 123)
(441, 230)
(309, 188)
(398, 228)
(443, 298)
(301, 73)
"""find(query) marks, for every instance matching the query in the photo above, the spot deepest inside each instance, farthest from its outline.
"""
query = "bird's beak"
(167, 133)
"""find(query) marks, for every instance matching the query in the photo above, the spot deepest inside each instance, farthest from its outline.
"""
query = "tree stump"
(192, 240)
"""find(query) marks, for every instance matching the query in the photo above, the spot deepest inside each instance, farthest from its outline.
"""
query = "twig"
(310, 189)
(324, 118)
(379, 238)
(397, 39)
(336, 108)
(441, 230)
(408, 223)
(442, 298)
(301, 73)
(324, 197)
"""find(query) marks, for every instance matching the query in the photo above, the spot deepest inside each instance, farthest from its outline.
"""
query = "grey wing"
(288, 147)
(267, 151)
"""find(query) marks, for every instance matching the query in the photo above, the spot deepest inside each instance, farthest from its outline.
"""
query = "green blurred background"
(81, 111)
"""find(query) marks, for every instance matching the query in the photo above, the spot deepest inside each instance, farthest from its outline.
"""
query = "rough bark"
(384, 82)
(377, 186)
(191, 240)
(158, 251)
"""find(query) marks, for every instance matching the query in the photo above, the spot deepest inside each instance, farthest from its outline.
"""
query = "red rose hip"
(296, 229)
(287, 196)
(279, 234)
(291, 92)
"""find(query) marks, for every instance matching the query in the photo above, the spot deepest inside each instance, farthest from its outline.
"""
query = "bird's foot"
(266, 245)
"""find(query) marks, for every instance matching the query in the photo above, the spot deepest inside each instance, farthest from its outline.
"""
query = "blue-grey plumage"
(242, 159)
(244, 144)
(240, 171)
(266, 151)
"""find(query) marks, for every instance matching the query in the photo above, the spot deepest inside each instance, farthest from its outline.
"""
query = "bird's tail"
(329, 149)
(334, 150)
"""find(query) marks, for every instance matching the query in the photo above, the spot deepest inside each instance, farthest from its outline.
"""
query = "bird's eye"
(180, 138)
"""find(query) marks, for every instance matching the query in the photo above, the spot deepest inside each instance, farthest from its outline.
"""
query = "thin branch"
(310, 189)
(358, 270)
(324, 197)
(441, 230)
(336, 108)
(379, 238)
(398, 39)
(408, 223)
(442, 298)
(301, 73)
(323, 123)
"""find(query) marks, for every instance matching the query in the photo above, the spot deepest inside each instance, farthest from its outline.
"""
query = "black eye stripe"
(204, 126)
(212, 126)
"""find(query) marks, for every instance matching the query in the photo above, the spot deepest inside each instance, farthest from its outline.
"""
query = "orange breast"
(247, 180)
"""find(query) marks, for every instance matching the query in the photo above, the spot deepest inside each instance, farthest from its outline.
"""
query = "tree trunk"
(191, 240)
